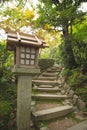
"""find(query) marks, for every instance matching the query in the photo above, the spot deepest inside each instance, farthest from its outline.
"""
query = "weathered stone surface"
(46, 78)
(59, 81)
(41, 82)
(50, 96)
(44, 89)
(62, 91)
(65, 86)
(71, 93)
(44, 128)
(81, 104)
(24, 102)
(45, 86)
(67, 91)
(53, 70)
(67, 102)
(33, 106)
(75, 97)
(52, 112)
(26, 71)
(50, 74)
(80, 126)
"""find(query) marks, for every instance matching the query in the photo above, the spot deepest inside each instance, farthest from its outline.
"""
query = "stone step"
(56, 68)
(53, 70)
(41, 82)
(45, 86)
(52, 112)
(50, 74)
(80, 126)
(55, 89)
(50, 96)
(46, 78)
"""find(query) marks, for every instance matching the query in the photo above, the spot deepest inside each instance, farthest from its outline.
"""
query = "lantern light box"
(25, 47)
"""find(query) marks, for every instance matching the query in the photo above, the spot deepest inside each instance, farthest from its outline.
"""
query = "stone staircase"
(50, 102)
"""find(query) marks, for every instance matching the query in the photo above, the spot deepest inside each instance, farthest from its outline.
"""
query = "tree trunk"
(68, 56)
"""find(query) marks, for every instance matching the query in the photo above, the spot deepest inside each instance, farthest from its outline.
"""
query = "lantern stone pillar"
(26, 53)
(24, 89)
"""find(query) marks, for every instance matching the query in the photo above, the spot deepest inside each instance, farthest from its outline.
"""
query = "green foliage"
(7, 106)
(8, 91)
(82, 91)
(6, 62)
(45, 53)
(5, 109)
(45, 63)
(80, 31)
(16, 17)
(80, 52)
(64, 14)
(66, 72)
(7, 103)
(77, 81)
(77, 78)
(57, 13)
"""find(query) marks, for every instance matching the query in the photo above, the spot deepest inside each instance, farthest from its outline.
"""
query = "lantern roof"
(18, 38)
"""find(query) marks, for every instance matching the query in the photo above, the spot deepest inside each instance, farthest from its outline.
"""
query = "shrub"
(78, 82)
(66, 72)
(7, 106)
(45, 63)
(82, 92)
(75, 79)
(5, 109)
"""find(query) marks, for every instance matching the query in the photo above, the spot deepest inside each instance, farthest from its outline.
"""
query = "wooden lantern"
(25, 47)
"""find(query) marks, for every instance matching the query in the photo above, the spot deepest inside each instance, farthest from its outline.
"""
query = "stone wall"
(66, 89)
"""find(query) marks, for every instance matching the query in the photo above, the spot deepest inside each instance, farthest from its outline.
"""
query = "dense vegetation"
(72, 52)
(64, 27)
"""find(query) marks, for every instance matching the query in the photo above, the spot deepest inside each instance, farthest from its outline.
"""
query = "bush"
(8, 91)
(66, 72)
(74, 79)
(7, 106)
(77, 81)
(5, 109)
(82, 92)
(45, 63)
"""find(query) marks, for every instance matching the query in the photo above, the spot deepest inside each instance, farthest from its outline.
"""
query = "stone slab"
(53, 112)
(53, 71)
(26, 71)
(44, 128)
(80, 126)
(41, 82)
(50, 96)
(46, 78)
(47, 89)
(50, 74)
(45, 86)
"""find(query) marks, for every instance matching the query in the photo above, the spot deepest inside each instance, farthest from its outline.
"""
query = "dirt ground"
(67, 122)
(62, 124)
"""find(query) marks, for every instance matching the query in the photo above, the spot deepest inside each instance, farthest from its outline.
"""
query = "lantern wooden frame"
(25, 47)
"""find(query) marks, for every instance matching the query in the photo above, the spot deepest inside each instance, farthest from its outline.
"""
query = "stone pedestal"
(24, 96)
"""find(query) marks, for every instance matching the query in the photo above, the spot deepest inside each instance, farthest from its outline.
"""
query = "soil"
(67, 122)
(62, 124)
